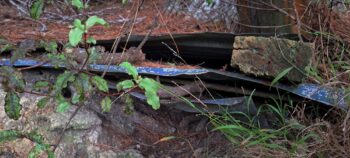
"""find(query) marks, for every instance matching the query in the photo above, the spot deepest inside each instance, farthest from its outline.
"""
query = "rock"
(268, 57)
(81, 138)
(84, 119)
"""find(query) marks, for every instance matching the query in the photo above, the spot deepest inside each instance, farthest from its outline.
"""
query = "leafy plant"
(149, 85)
(248, 134)
(37, 150)
(76, 33)
(36, 9)
(76, 78)
(281, 75)
(209, 2)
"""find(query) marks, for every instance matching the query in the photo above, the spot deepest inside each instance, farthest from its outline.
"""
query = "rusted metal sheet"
(220, 105)
(328, 96)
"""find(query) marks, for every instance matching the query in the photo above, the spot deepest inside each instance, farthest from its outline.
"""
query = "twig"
(85, 46)
(65, 128)
(168, 30)
(111, 55)
(297, 20)
(20, 8)
(176, 54)
(131, 28)
(36, 93)
(33, 66)
(114, 48)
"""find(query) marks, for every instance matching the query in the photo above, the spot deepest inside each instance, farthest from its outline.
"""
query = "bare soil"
(15, 27)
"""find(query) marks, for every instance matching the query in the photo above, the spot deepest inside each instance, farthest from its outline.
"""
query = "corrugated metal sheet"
(327, 96)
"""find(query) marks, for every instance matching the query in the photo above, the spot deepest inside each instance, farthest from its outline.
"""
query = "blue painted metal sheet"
(317, 93)
(114, 69)
(329, 96)
(221, 101)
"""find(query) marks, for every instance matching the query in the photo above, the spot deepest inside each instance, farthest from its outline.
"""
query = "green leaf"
(79, 88)
(49, 46)
(50, 153)
(151, 88)
(126, 84)
(91, 40)
(77, 24)
(100, 83)
(345, 67)
(83, 79)
(62, 81)
(17, 54)
(40, 84)
(78, 4)
(106, 104)
(280, 75)
(36, 151)
(93, 20)
(12, 105)
(43, 102)
(13, 78)
(9, 135)
(36, 137)
(37, 9)
(76, 98)
(124, 2)
(57, 59)
(75, 36)
(131, 70)
(63, 106)
(6, 47)
(40, 148)
(149, 84)
(152, 99)
(76, 33)
(95, 55)
(129, 104)
(209, 2)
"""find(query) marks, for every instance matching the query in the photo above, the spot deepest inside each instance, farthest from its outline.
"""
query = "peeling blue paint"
(115, 69)
(329, 96)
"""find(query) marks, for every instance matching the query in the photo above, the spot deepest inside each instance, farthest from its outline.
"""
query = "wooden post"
(256, 13)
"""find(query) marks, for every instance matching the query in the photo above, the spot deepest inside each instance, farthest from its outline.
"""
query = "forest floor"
(15, 27)
(333, 134)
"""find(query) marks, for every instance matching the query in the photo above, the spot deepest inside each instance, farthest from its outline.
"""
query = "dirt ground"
(15, 27)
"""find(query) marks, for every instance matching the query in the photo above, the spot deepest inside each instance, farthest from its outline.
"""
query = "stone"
(84, 119)
(81, 138)
(269, 56)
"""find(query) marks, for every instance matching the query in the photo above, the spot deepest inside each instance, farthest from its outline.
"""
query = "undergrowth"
(76, 76)
(292, 130)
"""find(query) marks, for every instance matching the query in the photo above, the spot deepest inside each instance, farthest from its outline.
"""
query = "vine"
(76, 76)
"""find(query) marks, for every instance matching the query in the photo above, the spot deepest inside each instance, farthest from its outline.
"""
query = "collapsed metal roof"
(317, 93)
(214, 49)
